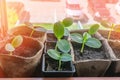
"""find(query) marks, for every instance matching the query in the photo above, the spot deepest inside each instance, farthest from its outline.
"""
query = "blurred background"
(45, 12)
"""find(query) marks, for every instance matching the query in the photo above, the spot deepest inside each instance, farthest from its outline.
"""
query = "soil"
(27, 49)
(89, 53)
(52, 65)
(114, 35)
(49, 45)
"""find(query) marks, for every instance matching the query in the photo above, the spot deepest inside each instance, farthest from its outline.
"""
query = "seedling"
(112, 27)
(61, 55)
(16, 42)
(87, 39)
(60, 28)
(30, 25)
(62, 45)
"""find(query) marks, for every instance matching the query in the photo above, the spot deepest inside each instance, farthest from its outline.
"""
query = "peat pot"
(114, 69)
(39, 32)
(92, 62)
(114, 35)
(24, 60)
(49, 65)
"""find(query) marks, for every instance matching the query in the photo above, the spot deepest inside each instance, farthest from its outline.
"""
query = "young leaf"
(117, 28)
(58, 30)
(66, 57)
(66, 32)
(63, 46)
(9, 47)
(86, 36)
(93, 42)
(54, 54)
(67, 21)
(17, 41)
(76, 37)
(93, 29)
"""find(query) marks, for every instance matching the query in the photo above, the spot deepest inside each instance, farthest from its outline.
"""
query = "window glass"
(45, 12)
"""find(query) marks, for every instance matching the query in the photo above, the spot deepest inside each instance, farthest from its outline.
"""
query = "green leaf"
(63, 45)
(58, 30)
(17, 41)
(106, 24)
(66, 32)
(86, 36)
(67, 21)
(93, 29)
(94, 43)
(54, 54)
(9, 47)
(66, 57)
(76, 37)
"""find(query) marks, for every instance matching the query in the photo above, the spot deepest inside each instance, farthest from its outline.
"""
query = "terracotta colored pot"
(24, 60)
(114, 35)
(39, 32)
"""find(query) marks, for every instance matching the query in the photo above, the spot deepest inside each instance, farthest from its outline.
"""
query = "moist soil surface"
(88, 53)
(52, 65)
(114, 35)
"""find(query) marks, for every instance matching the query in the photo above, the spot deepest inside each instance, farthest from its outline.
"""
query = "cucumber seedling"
(86, 38)
(16, 42)
(62, 48)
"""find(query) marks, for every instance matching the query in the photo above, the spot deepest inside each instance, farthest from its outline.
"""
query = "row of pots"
(22, 65)
(105, 65)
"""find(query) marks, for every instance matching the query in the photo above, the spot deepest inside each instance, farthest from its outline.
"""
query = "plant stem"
(56, 47)
(32, 32)
(83, 44)
(110, 32)
(59, 67)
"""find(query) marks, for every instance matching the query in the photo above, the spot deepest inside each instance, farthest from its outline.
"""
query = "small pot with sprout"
(92, 53)
(20, 55)
(113, 37)
(57, 60)
(28, 29)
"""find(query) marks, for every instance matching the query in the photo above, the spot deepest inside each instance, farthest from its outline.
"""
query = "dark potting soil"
(88, 53)
(52, 65)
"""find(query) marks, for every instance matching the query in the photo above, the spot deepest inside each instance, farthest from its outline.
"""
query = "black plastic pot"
(55, 73)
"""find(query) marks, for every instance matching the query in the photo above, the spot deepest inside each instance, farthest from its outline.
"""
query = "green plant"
(87, 39)
(63, 54)
(16, 42)
(31, 26)
(62, 45)
(115, 27)
(60, 27)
